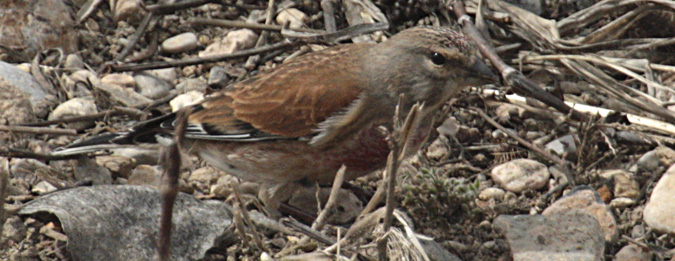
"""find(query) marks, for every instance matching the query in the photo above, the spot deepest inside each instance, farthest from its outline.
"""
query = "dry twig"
(332, 199)
(38, 130)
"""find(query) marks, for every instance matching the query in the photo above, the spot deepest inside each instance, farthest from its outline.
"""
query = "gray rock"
(624, 183)
(659, 211)
(124, 96)
(649, 161)
(235, 40)
(15, 107)
(151, 86)
(37, 25)
(186, 99)
(180, 43)
(218, 77)
(16, 81)
(75, 107)
(294, 17)
(633, 252)
(571, 235)
(13, 229)
(74, 86)
(563, 146)
(128, 10)
(520, 175)
(435, 251)
(42, 188)
(119, 166)
(167, 74)
(192, 84)
(449, 127)
(146, 175)
(120, 222)
(586, 199)
(119, 79)
(88, 170)
(73, 62)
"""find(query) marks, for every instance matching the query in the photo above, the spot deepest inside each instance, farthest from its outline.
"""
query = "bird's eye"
(437, 59)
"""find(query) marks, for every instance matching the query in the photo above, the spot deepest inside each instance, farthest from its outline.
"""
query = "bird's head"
(430, 64)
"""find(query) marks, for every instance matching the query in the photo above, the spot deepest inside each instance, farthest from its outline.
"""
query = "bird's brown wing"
(289, 102)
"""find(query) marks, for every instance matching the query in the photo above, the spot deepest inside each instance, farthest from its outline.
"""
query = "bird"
(302, 121)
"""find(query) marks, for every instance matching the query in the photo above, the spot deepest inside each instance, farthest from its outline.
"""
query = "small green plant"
(434, 197)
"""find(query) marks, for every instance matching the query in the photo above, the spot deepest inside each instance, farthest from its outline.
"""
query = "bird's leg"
(169, 187)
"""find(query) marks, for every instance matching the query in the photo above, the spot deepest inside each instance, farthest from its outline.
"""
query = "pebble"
(587, 199)
(659, 211)
(449, 127)
(168, 74)
(437, 149)
(491, 193)
(128, 10)
(192, 84)
(145, 175)
(234, 41)
(151, 86)
(124, 96)
(202, 178)
(119, 166)
(294, 17)
(119, 79)
(633, 252)
(569, 235)
(43, 187)
(218, 77)
(563, 146)
(206, 175)
(649, 161)
(624, 183)
(186, 99)
(626, 186)
(622, 202)
(73, 62)
(222, 188)
(638, 230)
(73, 83)
(184, 42)
(88, 170)
(75, 107)
(520, 175)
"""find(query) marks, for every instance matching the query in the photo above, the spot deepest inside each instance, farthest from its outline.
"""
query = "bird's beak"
(481, 73)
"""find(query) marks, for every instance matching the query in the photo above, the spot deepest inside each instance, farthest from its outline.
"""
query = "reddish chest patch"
(366, 153)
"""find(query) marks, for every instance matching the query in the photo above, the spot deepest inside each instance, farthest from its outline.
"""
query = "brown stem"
(38, 130)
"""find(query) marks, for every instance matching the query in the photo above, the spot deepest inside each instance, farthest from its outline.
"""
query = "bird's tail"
(143, 132)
